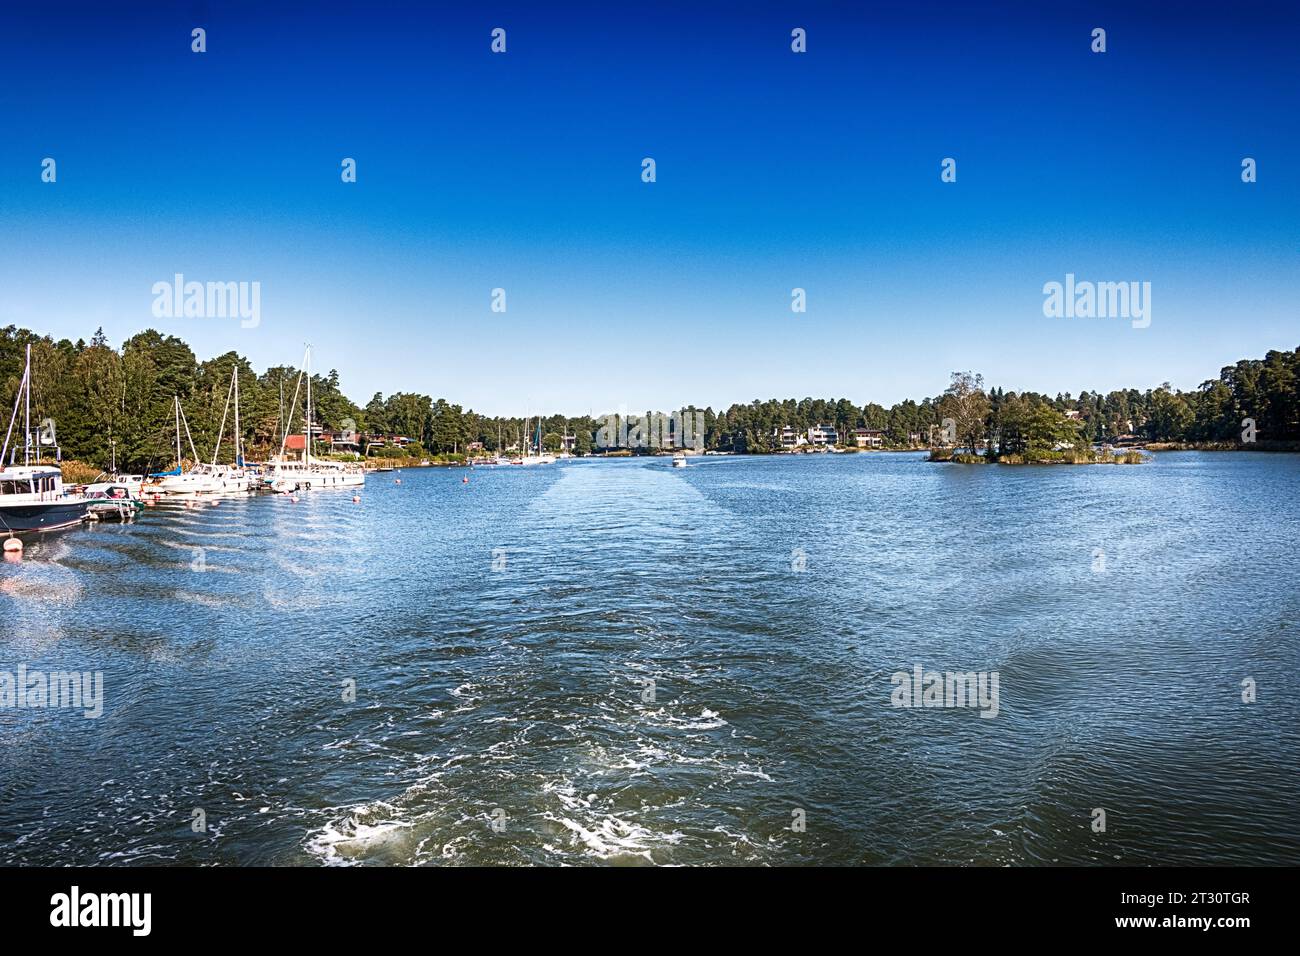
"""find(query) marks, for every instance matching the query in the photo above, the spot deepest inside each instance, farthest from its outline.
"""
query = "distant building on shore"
(869, 437)
(788, 438)
(822, 435)
(347, 441)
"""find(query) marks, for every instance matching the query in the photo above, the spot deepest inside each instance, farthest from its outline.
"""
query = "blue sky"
(775, 170)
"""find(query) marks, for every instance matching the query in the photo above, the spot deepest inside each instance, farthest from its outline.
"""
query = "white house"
(820, 435)
(869, 437)
(787, 437)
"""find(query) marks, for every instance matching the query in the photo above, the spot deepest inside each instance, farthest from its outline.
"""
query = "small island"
(1005, 428)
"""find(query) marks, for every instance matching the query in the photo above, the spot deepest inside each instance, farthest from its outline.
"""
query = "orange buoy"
(293, 499)
(464, 481)
(356, 499)
(397, 481)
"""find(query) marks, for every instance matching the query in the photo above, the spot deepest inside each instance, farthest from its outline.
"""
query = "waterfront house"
(823, 435)
(869, 437)
(347, 441)
(788, 438)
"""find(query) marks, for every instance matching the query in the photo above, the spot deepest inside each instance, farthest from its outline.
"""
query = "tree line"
(108, 401)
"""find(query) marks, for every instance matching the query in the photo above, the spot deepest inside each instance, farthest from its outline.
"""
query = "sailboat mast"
(284, 440)
(221, 429)
(177, 400)
(307, 444)
(239, 448)
(27, 409)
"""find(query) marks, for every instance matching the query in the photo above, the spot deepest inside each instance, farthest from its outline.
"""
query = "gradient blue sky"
(775, 170)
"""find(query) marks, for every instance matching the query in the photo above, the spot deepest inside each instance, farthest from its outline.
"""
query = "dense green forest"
(96, 393)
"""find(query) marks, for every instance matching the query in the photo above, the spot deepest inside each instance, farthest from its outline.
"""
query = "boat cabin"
(32, 482)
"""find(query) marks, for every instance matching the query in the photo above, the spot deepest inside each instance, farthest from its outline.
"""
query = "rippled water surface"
(501, 634)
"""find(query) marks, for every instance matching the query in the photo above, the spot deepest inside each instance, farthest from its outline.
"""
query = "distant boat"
(284, 475)
(679, 459)
(32, 497)
(537, 457)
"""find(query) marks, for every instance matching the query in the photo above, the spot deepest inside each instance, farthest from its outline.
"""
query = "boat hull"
(198, 485)
(45, 516)
(113, 510)
(314, 481)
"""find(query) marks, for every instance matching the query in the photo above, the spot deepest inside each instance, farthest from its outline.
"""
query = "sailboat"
(233, 480)
(535, 455)
(31, 495)
(177, 483)
(284, 474)
(204, 480)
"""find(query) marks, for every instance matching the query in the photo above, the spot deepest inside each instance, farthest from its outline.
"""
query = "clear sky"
(775, 170)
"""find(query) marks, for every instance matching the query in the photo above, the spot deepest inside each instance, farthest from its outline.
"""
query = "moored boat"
(284, 474)
(132, 483)
(205, 480)
(32, 496)
(106, 501)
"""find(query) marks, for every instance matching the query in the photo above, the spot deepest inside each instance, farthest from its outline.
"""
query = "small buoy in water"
(293, 499)
(13, 545)
(356, 499)
(397, 481)
(464, 481)
(214, 502)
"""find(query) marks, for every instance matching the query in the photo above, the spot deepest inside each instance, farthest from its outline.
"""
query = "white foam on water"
(708, 720)
(359, 834)
(606, 836)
